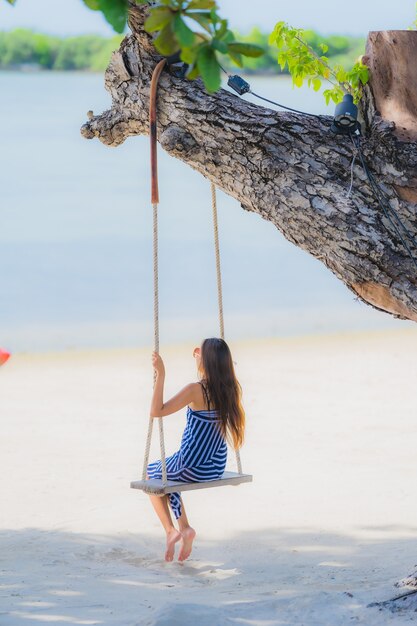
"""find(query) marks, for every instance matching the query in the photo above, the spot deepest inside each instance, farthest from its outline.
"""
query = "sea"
(76, 236)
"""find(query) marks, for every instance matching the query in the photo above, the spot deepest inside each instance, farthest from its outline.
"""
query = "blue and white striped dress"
(202, 455)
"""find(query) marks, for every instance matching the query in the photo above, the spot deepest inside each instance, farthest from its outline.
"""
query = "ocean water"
(75, 237)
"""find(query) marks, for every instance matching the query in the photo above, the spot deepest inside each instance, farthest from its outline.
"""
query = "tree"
(77, 52)
(289, 168)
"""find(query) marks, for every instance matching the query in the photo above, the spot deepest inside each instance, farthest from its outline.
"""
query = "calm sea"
(75, 235)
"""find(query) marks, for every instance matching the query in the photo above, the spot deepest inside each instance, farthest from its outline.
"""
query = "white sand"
(327, 527)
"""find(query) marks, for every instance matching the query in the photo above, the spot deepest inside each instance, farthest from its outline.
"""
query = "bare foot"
(188, 535)
(172, 537)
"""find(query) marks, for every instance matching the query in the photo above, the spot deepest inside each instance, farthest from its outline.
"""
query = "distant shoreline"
(38, 69)
(328, 337)
(30, 51)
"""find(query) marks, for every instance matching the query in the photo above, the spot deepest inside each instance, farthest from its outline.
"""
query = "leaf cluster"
(195, 30)
(191, 27)
(306, 65)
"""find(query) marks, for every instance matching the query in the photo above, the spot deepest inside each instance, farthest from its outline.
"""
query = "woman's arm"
(181, 399)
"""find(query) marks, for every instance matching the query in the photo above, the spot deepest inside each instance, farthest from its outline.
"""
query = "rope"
(147, 449)
(218, 267)
(156, 331)
(155, 200)
(220, 287)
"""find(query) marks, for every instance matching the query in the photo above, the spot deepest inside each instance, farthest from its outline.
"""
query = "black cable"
(382, 198)
(383, 195)
(247, 89)
(385, 207)
(394, 212)
(282, 106)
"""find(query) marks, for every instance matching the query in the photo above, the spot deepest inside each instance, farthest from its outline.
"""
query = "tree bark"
(289, 168)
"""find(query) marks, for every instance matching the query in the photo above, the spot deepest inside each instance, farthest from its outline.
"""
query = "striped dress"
(202, 455)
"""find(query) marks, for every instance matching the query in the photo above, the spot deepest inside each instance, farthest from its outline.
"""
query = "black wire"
(380, 195)
(387, 208)
(383, 195)
(282, 106)
(285, 107)
(378, 192)
(395, 214)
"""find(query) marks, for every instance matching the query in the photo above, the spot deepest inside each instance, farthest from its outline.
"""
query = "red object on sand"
(4, 356)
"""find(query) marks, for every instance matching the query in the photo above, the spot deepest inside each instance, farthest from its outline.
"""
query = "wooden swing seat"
(156, 487)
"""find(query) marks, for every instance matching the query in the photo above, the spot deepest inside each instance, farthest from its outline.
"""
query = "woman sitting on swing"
(214, 415)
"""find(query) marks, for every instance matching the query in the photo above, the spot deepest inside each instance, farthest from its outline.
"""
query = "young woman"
(214, 415)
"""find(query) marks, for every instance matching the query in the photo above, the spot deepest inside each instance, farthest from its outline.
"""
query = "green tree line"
(22, 47)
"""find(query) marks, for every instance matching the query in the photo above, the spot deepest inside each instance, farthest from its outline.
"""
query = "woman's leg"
(161, 508)
(187, 535)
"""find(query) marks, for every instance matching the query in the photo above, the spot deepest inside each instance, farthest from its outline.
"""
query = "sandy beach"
(327, 527)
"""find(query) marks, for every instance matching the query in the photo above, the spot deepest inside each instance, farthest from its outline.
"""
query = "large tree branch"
(289, 168)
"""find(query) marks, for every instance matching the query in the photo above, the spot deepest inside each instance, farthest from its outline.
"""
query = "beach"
(326, 529)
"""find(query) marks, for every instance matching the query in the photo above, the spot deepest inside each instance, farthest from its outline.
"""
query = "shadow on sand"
(284, 576)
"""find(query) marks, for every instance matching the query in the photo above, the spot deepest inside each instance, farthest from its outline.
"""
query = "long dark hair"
(223, 389)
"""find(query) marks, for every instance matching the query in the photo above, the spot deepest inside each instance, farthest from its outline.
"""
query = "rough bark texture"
(291, 169)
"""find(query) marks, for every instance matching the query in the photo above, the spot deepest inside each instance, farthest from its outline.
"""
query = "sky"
(356, 17)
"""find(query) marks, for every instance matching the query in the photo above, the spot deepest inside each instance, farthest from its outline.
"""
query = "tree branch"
(291, 169)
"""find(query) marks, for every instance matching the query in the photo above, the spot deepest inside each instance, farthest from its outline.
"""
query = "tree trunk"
(290, 168)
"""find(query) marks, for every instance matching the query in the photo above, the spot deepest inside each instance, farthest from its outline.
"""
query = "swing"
(160, 487)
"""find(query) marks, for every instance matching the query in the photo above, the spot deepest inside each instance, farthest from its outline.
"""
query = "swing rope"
(220, 286)
(217, 253)
(155, 201)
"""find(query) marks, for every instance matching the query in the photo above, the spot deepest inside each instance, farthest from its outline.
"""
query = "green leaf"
(202, 18)
(335, 94)
(298, 81)
(221, 46)
(158, 18)
(189, 55)
(364, 75)
(115, 12)
(223, 30)
(327, 95)
(316, 84)
(236, 58)
(184, 35)
(282, 59)
(341, 75)
(213, 16)
(202, 4)
(209, 68)
(247, 49)
(94, 5)
(192, 72)
(276, 33)
(228, 37)
(323, 47)
(166, 42)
